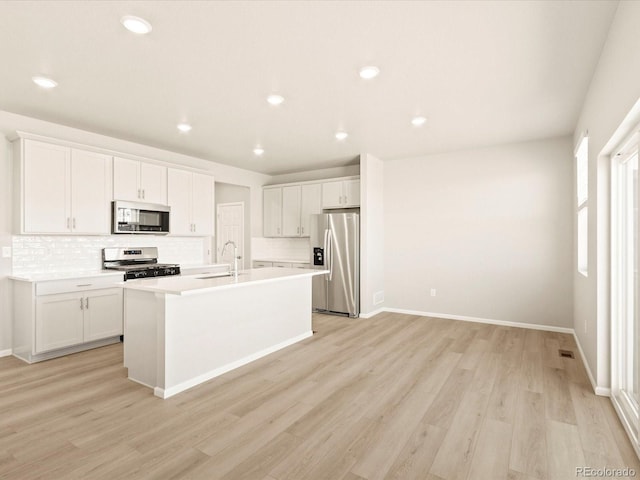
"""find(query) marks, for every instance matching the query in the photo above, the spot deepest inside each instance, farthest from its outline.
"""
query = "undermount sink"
(218, 275)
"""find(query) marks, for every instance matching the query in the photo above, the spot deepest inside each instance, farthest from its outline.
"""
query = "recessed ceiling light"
(184, 127)
(275, 99)
(369, 72)
(136, 24)
(418, 121)
(258, 150)
(44, 82)
(341, 135)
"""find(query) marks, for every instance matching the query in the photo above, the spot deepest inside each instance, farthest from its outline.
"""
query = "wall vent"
(378, 297)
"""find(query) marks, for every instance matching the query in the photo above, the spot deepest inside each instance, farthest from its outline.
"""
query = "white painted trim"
(505, 323)
(601, 391)
(372, 314)
(625, 423)
(181, 387)
(6, 353)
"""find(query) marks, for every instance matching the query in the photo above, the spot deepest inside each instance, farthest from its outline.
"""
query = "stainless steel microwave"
(134, 217)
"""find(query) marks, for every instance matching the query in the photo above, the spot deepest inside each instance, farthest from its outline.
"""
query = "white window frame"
(621, 288)
(581, 155)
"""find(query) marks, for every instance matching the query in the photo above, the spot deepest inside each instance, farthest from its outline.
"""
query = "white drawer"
(258, 264)
(76, 284)
(282, 264)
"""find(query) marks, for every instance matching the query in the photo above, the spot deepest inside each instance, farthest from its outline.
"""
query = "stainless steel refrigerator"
(335, 246)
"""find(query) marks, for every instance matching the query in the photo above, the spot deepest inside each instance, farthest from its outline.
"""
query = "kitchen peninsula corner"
(184, 330)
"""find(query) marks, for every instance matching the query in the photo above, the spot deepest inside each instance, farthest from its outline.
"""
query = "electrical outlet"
(433, 292)
(6, 252)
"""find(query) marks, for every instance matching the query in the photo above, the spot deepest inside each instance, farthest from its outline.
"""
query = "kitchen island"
(180, 331)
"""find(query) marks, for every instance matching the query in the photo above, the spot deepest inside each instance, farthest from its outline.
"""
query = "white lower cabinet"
(54, 318)
(71, 318)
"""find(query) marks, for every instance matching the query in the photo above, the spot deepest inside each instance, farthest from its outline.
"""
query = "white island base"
(182, 331)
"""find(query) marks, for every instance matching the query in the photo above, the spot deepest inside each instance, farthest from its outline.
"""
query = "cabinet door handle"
(139, 196)
(143, 193)
(68, 223)
(298, 230)
(302, 230)
(194, 227)
(81, 303)
(87, 303)
(74, 223)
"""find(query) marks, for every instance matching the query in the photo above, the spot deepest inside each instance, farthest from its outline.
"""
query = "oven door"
(133, 217)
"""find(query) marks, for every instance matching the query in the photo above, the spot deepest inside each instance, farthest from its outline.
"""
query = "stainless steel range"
(141, 262)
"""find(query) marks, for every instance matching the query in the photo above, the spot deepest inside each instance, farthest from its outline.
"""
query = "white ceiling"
(482, 72)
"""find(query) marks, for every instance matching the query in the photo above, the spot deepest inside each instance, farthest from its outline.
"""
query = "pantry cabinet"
(62, 189)
(191, 197)
(139, 181)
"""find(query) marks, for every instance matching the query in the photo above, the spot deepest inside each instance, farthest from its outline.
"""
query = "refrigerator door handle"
(330, 249)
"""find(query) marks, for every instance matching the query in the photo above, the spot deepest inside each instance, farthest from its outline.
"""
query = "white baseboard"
(372, 314)
(490, 321)
(601, 391)
(181, 387)
(6, 353)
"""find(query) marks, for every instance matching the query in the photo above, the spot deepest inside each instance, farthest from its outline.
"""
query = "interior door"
(230, 227)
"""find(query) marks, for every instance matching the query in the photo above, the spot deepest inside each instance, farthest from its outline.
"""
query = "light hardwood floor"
(392, 397)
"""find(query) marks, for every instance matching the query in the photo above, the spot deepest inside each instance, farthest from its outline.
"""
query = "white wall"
(490, 229)
(372, 234)
(608, 110)
(6, 181)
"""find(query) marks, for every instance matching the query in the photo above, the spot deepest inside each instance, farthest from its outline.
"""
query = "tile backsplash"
(33, 254)
(285, 248)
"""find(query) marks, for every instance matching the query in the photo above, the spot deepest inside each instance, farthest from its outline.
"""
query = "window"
(582, 190)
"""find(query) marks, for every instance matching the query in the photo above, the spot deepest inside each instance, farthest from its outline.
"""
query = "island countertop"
(201, 283)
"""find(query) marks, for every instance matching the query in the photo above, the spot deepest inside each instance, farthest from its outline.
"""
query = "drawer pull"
(84, 285)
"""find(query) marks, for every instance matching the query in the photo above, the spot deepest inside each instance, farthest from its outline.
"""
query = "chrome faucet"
(234, 272)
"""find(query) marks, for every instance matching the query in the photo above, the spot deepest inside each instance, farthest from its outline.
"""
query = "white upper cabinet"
(272, 212)
(191, 198)
(291, 211)
(310, 203)
(341, 194)
(46, 194)
(287, 209)
(64, 190)
(139, 181)
(90, 195)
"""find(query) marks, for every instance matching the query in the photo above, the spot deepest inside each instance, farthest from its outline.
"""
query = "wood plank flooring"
(392, 397)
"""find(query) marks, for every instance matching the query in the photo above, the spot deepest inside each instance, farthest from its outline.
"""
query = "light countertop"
(44, 277)
(283, 260)
(201, 283)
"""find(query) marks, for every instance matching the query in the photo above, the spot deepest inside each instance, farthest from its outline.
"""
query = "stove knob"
(156, 273)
